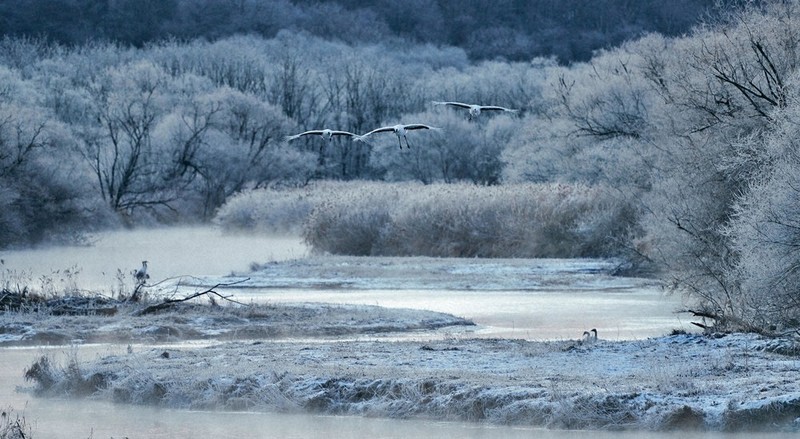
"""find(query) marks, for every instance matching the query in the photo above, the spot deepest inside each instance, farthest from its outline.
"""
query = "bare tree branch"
(168, 303)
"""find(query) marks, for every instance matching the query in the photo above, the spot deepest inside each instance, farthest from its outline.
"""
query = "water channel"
(206, 251)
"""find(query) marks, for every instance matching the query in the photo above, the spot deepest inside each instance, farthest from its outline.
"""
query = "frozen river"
(546, 299)
(618, 311)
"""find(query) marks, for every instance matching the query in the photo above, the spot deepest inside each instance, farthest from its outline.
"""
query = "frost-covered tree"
(718, 90)
(663, 121)
(41, 185)
(244, 147)
(117, 145)
(765, 231)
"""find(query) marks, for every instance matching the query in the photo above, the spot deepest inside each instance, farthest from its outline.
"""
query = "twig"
(703, 314)
(170, 302)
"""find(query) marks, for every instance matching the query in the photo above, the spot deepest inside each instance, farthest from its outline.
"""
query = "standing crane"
(141, 275)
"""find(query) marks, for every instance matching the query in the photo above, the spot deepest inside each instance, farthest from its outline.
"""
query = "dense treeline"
(690, 140)
(169, 131)
(569, 30)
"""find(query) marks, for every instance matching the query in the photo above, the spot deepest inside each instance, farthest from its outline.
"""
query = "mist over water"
(170, 252)
(207, 251)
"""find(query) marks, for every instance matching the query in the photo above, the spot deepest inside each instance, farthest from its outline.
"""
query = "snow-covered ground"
(199, 322)
(688, 381)
(326, 358)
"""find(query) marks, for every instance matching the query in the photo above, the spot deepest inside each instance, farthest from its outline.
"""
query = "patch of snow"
(682, 381)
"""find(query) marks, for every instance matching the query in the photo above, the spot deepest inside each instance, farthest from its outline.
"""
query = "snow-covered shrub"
(460, 220)
(266, 210)
(352, 221)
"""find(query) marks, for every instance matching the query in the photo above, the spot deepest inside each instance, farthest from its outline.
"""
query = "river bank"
(279, 352)
(733, 382)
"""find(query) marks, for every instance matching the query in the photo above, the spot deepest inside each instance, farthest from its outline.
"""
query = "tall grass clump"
(461, 220)
(280, 211)
(14, 426)
(532, 220)
(355, 219)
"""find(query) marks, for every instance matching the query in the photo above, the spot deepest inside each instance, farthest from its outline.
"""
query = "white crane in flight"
(399, 130)
(326, 134)
(474, 109)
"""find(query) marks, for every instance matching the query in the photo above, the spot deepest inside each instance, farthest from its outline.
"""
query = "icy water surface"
(553, 315)
(63, 418)
(618, 312)
(171, 252)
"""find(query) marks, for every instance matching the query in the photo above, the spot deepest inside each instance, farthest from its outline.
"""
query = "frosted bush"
(455, 220)
(525, 220)
(266, 210)
(353, 220)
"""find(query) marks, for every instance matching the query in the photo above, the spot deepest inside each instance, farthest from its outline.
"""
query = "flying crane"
(474, 109)
(399, 130)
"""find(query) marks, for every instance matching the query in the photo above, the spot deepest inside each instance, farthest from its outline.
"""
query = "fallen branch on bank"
(168, 303)
(728, 323)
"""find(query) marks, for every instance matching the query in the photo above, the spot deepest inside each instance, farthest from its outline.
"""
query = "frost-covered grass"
(731, 382)
(13, 426)
(77, 320)
(23, 284)
(443, 220)
(269, 210)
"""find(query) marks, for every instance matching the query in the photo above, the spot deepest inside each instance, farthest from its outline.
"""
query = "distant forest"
(514, 30)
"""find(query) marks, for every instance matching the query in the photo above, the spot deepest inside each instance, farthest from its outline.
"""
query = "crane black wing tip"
(497, 108)
(421, 126)
(452, 104)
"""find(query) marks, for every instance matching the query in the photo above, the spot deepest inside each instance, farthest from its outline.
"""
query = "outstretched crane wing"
(307, 133)
(453, 104)
(496, 108)
(419, 126)
(342, 133)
